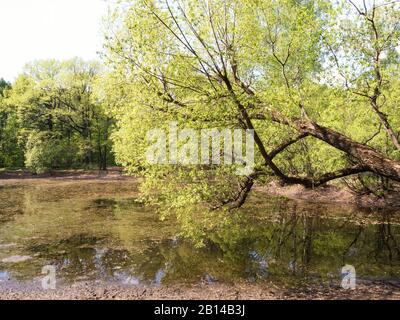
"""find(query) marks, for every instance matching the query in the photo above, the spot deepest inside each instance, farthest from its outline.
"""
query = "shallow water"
(99, 231)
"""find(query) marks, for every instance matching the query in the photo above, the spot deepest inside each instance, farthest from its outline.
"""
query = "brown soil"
(106, 291)
(331, 194)
(111, 173)
(64, 176)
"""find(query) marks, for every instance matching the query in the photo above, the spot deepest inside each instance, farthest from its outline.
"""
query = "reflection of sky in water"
(4, 276)
(159, 276)
(98, 258)
(126, 278)
(209, 279)
(258, 268)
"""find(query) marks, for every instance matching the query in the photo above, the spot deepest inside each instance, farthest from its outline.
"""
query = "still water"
(94, 230)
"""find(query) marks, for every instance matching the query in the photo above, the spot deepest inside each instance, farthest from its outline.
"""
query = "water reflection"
(115, 238)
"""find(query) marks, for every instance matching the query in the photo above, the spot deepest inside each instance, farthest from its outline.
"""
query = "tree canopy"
(56, 120)
(317, 81)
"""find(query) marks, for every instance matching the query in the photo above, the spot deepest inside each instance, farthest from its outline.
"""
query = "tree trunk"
(385, 122)
(369, 157)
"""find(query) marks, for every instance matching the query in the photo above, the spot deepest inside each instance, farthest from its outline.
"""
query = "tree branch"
(286, 144)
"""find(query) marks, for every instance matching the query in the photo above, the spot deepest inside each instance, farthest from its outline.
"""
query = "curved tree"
(318, 84)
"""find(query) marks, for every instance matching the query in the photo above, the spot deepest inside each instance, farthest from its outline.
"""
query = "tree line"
(51, 119)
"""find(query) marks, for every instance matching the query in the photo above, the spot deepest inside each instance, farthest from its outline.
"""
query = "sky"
(45, 29)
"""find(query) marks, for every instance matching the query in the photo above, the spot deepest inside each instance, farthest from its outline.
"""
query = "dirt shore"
(106, 291)
(331, 194)
(112, 173)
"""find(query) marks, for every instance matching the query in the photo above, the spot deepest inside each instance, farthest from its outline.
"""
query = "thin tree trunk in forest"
(385, 122)
(104, 163)
(102, 157)
(104, 149)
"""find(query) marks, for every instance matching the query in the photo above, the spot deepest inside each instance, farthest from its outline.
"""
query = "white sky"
(44, 29)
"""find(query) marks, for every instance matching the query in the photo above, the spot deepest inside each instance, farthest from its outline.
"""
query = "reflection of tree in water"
(294, 235)
(286, 243)
(303, 243)
(299, 243)
(387, 247)
(74, 256)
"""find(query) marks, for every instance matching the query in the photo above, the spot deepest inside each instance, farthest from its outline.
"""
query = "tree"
(10, 152)
(60, 122)
(365, 55)
(259, 65)
(3, 86)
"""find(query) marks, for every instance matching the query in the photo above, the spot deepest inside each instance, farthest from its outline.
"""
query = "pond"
(98, 230)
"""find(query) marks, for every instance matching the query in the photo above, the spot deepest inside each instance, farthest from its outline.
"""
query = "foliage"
(10, 151)
(45, 152)
(301, 70)
(55, 100)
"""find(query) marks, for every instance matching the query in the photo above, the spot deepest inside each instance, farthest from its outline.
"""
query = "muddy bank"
(331, 194)
(22, 177)
(25, 174)
(104, 291)
(111, 173)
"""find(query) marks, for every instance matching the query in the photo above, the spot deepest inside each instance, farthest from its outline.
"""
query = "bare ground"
(113, 173)
(331, 194)
(106, 291)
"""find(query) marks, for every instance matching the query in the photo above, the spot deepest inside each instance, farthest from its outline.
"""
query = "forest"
(50, 118)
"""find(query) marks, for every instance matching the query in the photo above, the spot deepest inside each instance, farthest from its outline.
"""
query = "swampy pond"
(98, 230)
